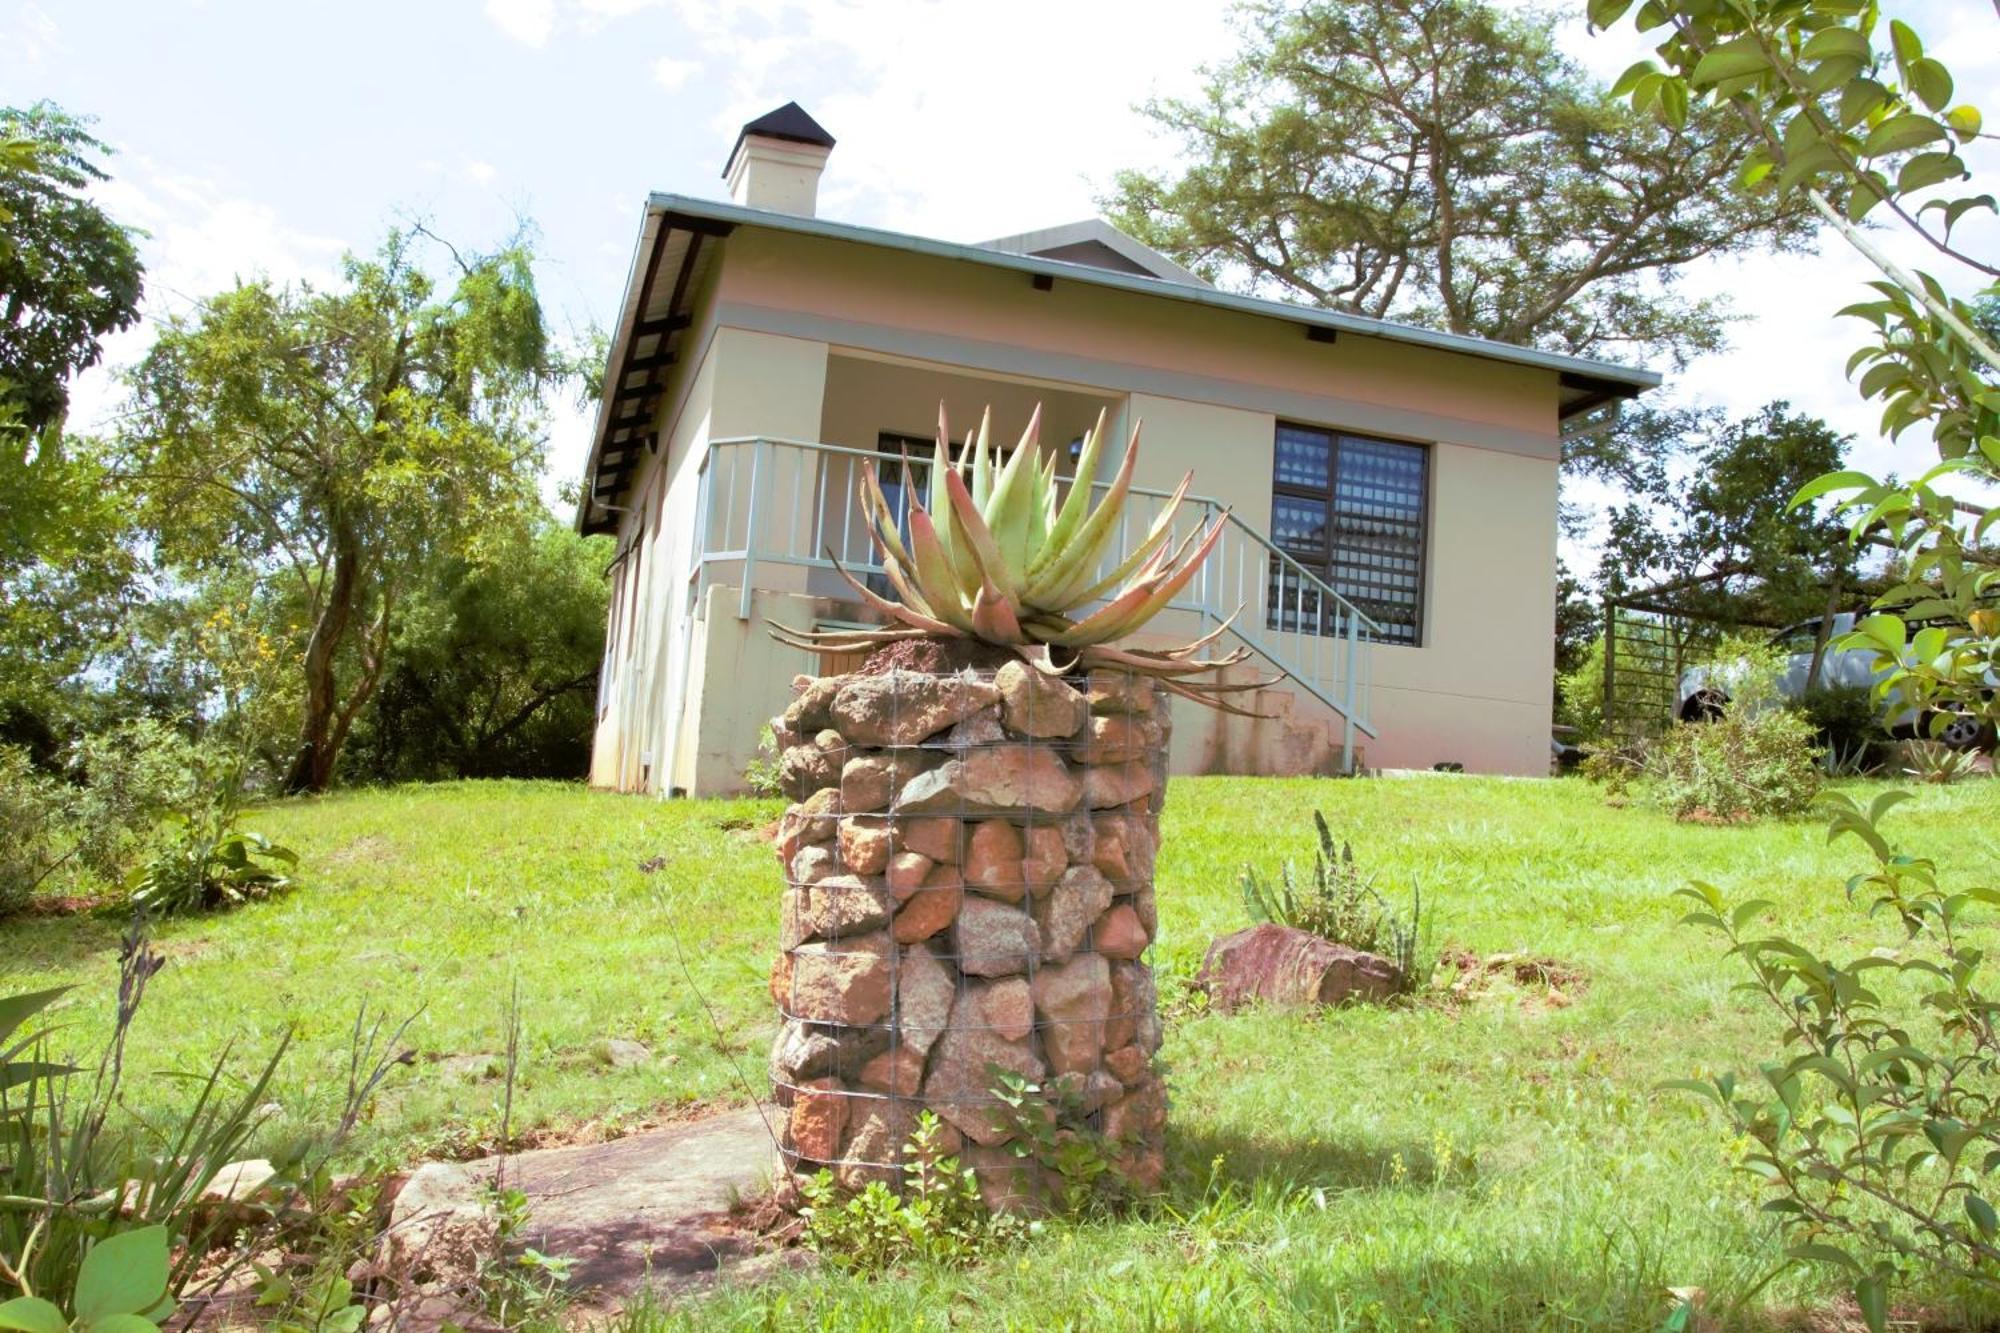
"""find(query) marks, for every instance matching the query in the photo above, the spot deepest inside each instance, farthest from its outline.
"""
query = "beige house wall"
(810, 339)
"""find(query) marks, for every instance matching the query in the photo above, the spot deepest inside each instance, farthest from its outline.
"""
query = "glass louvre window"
(1351, 511)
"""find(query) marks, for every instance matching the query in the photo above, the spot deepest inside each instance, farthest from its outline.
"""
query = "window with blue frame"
(1352, 511)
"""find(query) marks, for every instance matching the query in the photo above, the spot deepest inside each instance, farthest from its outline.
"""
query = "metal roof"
(681, 224)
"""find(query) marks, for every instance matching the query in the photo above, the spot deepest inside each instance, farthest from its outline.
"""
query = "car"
(1706, 690)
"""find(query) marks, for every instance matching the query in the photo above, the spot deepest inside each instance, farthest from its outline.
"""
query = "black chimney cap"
(789, 121)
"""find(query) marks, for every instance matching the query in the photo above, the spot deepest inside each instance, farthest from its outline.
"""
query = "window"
(1351, 511)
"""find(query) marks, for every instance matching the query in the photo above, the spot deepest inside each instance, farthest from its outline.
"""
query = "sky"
(270, 137)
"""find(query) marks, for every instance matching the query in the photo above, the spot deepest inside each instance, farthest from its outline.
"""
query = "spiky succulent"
(1000, 555)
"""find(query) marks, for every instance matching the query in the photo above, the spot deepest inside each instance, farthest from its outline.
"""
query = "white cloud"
(33, 36)
(479, 172)
(529, 22)
(673, 74)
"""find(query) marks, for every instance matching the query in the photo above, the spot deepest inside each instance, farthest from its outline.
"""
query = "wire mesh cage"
(967, 910)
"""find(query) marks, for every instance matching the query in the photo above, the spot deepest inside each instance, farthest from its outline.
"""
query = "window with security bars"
(1351, 511)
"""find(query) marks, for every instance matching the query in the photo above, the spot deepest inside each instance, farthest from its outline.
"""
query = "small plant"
(1847, 726)
(1049, 1130)
(939, 1218)
(121, 1287)
(760, 775)
(208, 862)
(1612, 769)
(1936, 763)
(1340, 904)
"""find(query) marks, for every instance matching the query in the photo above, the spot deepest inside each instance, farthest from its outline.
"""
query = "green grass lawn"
(1497, 1164)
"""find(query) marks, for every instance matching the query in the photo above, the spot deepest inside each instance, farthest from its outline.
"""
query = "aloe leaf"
(993, 617)
(1077, 505)
(1079, 558)
(978, 537)
(934, 573)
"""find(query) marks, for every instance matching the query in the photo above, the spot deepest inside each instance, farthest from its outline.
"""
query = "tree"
(495, 665)
(342, 442)
(1439, 162)
(1716, 532)
(69, 275)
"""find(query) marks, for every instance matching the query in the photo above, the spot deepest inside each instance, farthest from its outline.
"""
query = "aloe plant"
(999, 554)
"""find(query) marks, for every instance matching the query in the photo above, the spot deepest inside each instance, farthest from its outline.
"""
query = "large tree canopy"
(69, 275)
(1440, 162)
(340, 444)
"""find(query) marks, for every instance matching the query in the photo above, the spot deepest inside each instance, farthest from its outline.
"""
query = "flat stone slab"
(648, 1210)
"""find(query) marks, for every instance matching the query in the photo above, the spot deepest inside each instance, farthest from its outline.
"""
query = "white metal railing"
(763, 500)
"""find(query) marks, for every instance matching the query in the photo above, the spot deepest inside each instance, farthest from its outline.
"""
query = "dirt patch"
(369, 848)
(68, 904)
(467, 1147)
(1541, 982)
(940, 657)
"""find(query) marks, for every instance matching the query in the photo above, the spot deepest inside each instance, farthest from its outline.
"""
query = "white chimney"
(777, 161)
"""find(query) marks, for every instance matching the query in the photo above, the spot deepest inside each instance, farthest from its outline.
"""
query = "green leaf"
(18, 1009)
(1927, 169)
(1930, 81)
(1674, 103)
(1860, 100)
(121, 1323)
(1836, 42)
(1982, 1215)
(1908, 46)
(1630, 78)
(1828, 483)
(1871, 1293)
(1899, 134)
(1825, 1254)
(1604, 13)
(1731, 60)
(32, 1314)
(1964, 122)
(123, 1275)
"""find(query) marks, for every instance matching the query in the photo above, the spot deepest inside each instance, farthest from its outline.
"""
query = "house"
(1389, 491)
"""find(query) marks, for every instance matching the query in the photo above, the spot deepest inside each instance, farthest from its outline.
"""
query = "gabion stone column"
(969, 887)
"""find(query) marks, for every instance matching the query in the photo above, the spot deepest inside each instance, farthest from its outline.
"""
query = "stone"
(620, 1053)
(1128, 1064)
(905, 707)
(1079, 837)
(238, 1194)
(1072, 1001)
(1118, 738)
(993, 939)
(1119, 692)
(1135, 1009)
(931, 908)
(781, 979)
(1036, 704)
(993, 860)
(1080, 896)
(1108, 785)
(801, 1052)
(845, 981)
(959, 1086)
(1118, 933)
(794, 918)
(844, 906)
(815, 819)
(870, 781)
(783, 737)
(907, 872)
(1008, 1007)
(925, 993)
(937, 838)
(1140, 1116)
(1147, 908)
(1283, 966)
(982, 728)
(1108, 853)
(1043, 858)
(878, 1127)
(804, 769)
(1008, 779)
(814, 863)
(1133, 848)
(864, 844)
(813, 709)
(1090, 1092)
(819, 1118)
(898, 1071)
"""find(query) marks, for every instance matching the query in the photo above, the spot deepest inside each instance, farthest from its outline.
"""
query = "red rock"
(1006, 779)
(905, 707)
(925, 993)
(781, 980)
(1108, 785)
(870, 781)
(898, 1071)
(931, 908)
(1118, 933)
(1109, 851)
(1044, 858)
(906, 873)
(937, 838)
(813, 708)
(1072, 1000)
(959, 1086)
(993, 860)
(993, 939)
(1033, 703)
(1135, 1009)
(864, 844)
(1080, 897)
(819, 1118)
(812, 820)
(1008, 1007)
(1118, 739)
(844, 981)
(814, 863)
(1127, 1064)
(1119, 692)
(1283, 966)
(842, 906)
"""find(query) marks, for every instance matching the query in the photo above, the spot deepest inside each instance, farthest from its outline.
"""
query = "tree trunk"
(312, 765)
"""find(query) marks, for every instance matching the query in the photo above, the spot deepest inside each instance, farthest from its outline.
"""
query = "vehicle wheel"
(1962, 731)
(1704, 706)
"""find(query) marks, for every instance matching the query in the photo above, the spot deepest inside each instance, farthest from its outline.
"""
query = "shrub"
(207, 862)
(1875, 1130)
(1343, 906)
(33, 826)
(1743, 766)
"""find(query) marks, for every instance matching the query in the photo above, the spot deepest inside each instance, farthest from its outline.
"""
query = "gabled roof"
(680, 238)
(1097, 243)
